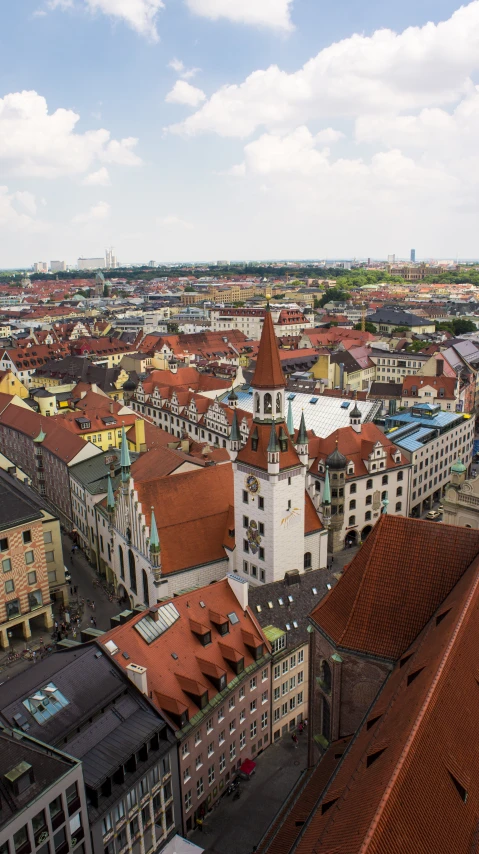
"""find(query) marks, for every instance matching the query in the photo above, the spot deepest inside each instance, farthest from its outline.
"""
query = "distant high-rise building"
(110, 257)
(152, 263)
(413, 256)
(40, 267)
(58, 266)
(391, 259)
(91, 263)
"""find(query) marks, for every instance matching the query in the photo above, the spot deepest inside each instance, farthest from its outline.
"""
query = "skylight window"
(150, 629)
(315, 591)
(280, 601)
(288, 627)
(258, 608)
(345, 404)
(314, 400)
(270, 604)
(295, 624)
(233, 618)
(46, 703)
(290, 599)
(328, 586)
(202, 605)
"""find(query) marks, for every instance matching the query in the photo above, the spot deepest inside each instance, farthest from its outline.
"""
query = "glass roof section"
(46, 703)
(151, 629)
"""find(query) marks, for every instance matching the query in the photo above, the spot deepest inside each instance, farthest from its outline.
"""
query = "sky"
(205, 130)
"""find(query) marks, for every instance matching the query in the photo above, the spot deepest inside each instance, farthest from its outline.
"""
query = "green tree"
(334, 295)
(106, 292)
(370, 327)
(401, 329)
(172, 328)
(461, 325)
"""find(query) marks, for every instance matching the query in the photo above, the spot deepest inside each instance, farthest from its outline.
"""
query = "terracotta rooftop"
(356, 447)
(178, 664)
(394, 584)
(408, 781)
(259, 457)
(268, 373)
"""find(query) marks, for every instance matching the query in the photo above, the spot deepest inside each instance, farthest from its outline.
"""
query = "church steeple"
(125, 462)
(302, 446)
(268, 381)
(235, 436)
(290, 422)
(154, 540)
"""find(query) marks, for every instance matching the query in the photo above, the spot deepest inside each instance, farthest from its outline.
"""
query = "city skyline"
(227, 129)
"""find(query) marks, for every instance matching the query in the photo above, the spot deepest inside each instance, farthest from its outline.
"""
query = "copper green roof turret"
(273, 444)
(125, 461)
(110, 500)
(154, 537)
(289, 421)
(302, 435)
(327, 488)
(235, 435)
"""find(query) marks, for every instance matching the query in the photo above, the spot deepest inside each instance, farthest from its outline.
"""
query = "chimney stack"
(137, 674)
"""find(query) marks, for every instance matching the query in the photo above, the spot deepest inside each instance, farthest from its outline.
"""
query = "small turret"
(232, 399)
(273, 451)
(290, 422)
(326, 502)
(125, 462)
(458, 473)
(154, 541)
(234, 437)
(110, 498)
(302, 445)
(355, 418)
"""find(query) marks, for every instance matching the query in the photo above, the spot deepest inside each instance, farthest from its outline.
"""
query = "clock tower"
(270, 477)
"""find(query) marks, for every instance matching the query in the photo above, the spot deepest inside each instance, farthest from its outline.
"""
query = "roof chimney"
(137, 674)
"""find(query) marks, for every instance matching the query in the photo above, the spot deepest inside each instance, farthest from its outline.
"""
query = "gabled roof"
(394, 583)
(178, 666)
(356, 447)
(268, 373)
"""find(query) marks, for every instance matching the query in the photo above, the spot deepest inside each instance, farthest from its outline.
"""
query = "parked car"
(433, 515)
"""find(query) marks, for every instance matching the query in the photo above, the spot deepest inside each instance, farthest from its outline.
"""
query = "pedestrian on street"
(93, 604)
(56, 625)
(83, 601)
(295, 739)
(94, 622)
(74, 634)
(88, 603)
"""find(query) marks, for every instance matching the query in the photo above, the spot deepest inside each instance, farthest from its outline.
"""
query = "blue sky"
(227, 129)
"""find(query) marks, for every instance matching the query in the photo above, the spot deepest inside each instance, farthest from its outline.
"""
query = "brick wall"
(19, 573)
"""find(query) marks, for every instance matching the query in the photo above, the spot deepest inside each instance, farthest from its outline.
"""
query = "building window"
(185, 751)
(7, 565)
(261, 502)
(9, 586)
(32, 577)
(367, 516)
(369, 484)
(222, 763)
(245, 497)
(3, 544)
(307, 560)
(199, 787)
(369, 499)
(50, 557)
(264, 720)
(27, 537)
(252, 730)
(188, 800)
(29, 557)
(47, 536)
(398, 507)
(352, 489)
(242, 741)
(400, 473)
(352, 504)
(232, 751)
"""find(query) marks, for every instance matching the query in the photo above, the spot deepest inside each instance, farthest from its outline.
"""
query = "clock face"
(252, 483)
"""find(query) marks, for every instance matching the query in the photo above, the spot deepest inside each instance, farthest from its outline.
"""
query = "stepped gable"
(394, 584)
(268, 372)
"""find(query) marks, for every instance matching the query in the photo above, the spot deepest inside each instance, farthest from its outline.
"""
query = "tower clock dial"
(252, 484)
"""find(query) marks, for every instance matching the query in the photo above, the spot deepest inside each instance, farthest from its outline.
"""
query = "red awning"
(248, 766)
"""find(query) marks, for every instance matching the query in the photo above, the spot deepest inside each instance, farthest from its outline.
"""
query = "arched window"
(268, 404)
(278, 403)
(352, 520)
(367, 516)
(326, 677)
(307, 560)
(326, 720)
(109, 552)
(384, 495)
(369, 484)
(132, 567)
(398, 507)
(399, 490)
(317, 485)
(352, 489)
(256, 402)
(146, 595)
(122, 563)
(385, 479)
(369, 499)
(400, 475)
(352, 504)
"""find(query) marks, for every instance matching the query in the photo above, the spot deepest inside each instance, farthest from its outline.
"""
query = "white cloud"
(274, 14)
(174, 221)
(37, 143)
(19, 220)
(185, 93)
(386, 72)
(96, 213)
(180, 68)
(140, 15)
(101, 178)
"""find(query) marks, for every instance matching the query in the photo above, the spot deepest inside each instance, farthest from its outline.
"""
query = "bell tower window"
(257, 403)
(278, 403)
(268, 404)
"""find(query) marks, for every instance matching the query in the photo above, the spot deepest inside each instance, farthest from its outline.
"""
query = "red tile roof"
(446, 383)
(394, 583)
(356, 447)
(268, 373)
(259, 458)
(172, 679)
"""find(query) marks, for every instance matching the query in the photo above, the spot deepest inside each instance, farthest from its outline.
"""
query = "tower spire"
(125, 462)
(268, 372)
(235, 436)
(110, 499)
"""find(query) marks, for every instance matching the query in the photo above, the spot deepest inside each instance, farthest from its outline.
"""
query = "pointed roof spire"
(290, 422)
(273, 444)
(327, 488)
(302, 435)
(235, 435)
(154, 537)
(110, 500)
(268, 373)
(232, 395)
(125, 461)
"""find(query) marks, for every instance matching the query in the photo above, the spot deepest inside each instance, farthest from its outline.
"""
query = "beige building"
(461, 501)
